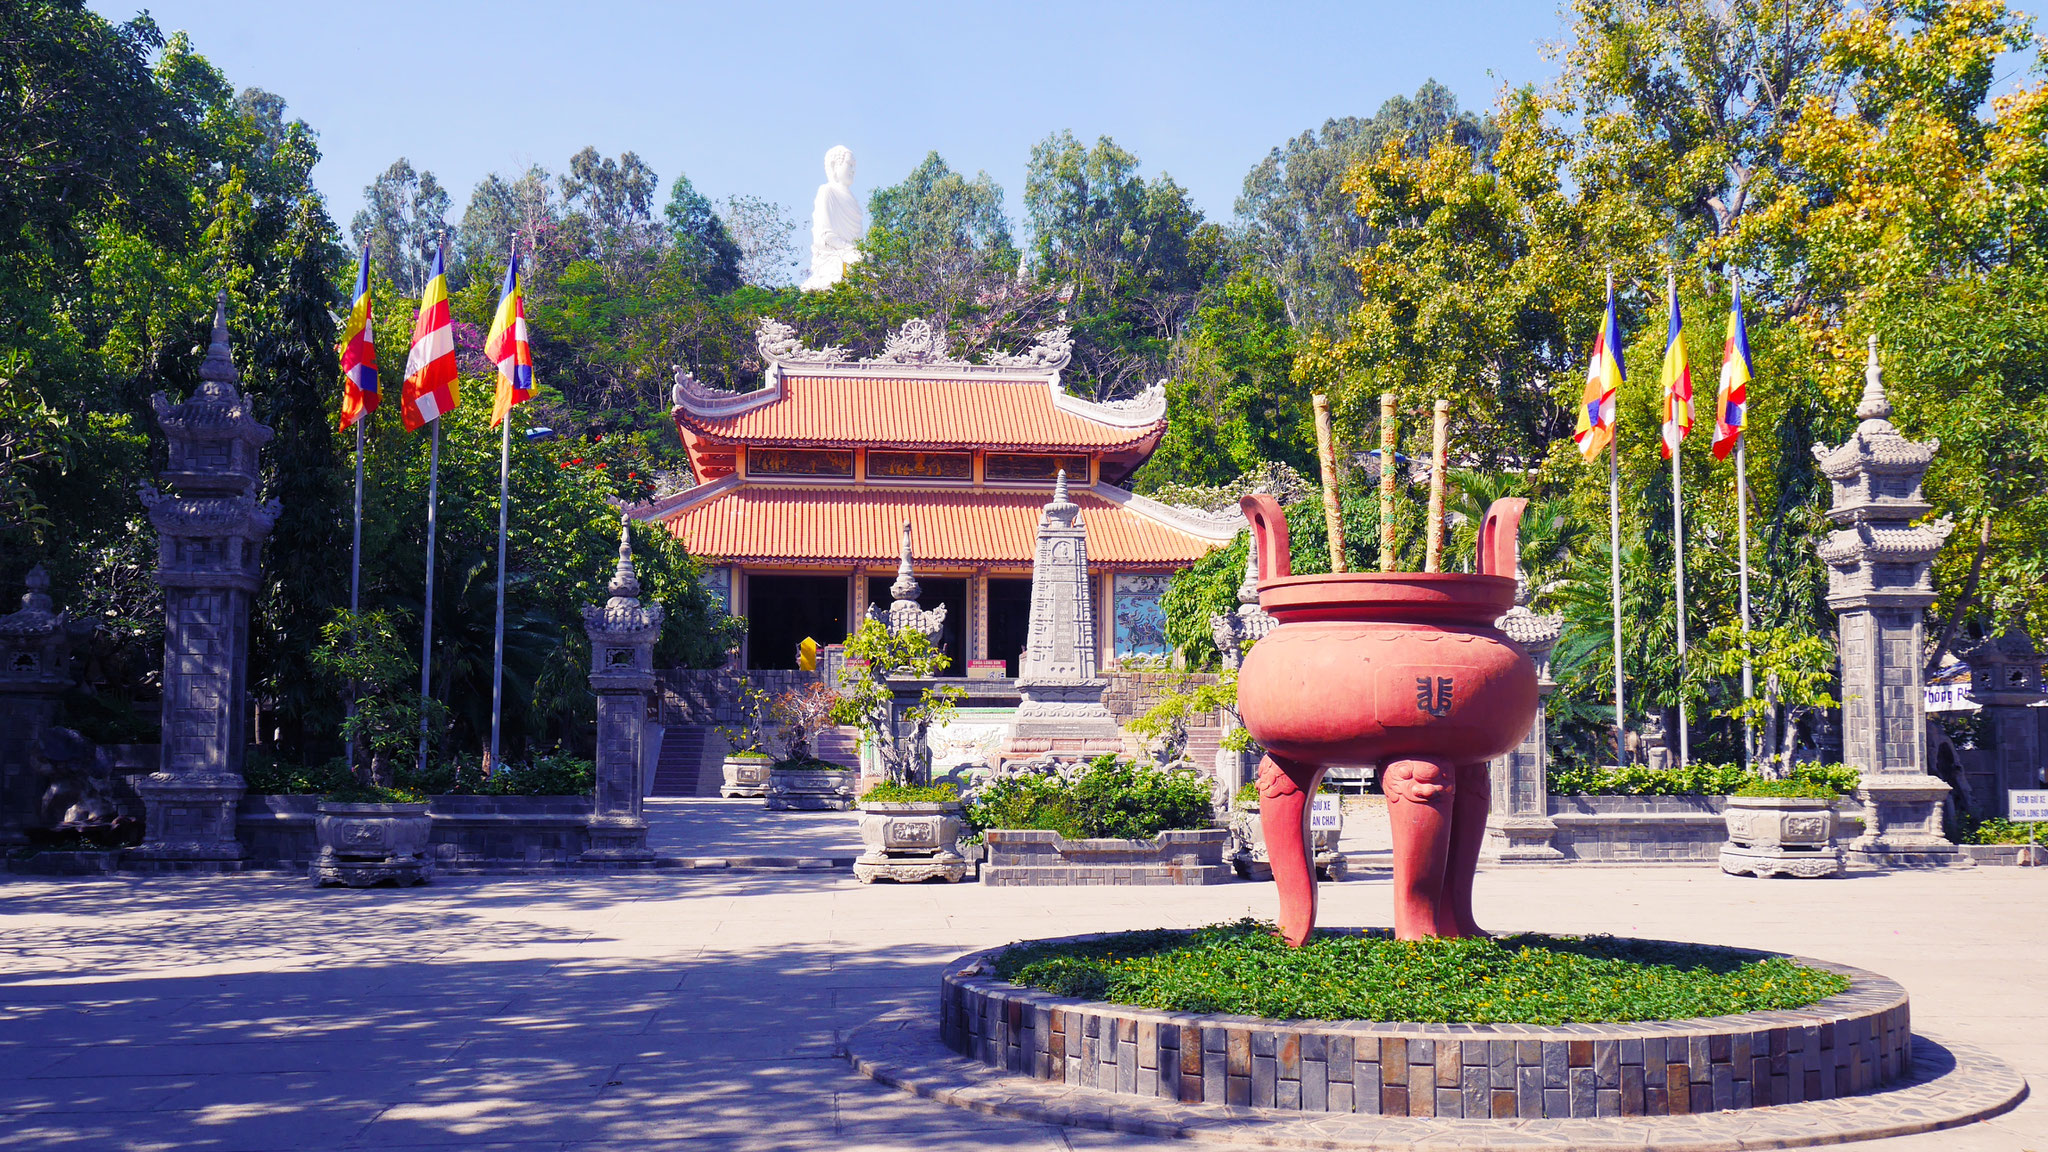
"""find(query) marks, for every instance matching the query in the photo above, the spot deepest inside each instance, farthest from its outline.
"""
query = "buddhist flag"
(1677, 379)
(1603, 380)
(429, 391)
(359, 353)
(506, 345)
(1732, 403)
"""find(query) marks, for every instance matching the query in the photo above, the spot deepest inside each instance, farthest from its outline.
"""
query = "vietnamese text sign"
(2027, 803)
(1326, 814)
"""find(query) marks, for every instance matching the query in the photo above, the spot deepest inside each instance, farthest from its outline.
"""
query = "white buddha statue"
(837, 223)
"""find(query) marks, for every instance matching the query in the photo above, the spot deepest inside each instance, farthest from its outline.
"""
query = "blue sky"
(745, 98)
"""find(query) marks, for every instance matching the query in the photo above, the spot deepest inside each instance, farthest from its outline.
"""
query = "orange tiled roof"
(764, 523)
(851, 411)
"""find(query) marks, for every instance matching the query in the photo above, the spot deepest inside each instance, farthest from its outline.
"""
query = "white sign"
(1954, 697)
(2025, 804)
(1326, 814)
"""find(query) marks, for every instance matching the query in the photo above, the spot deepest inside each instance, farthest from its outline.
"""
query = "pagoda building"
(804, 485)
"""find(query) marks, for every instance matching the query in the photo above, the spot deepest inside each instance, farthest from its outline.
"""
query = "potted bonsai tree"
(910, 830)
(371, 832)
(745, 770)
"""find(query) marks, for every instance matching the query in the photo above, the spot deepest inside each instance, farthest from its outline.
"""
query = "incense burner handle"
(1499, 537)
(1269, 531)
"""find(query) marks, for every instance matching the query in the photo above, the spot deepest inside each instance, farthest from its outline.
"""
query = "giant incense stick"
(1433, 558)
(1387, 466)
(1326, 455)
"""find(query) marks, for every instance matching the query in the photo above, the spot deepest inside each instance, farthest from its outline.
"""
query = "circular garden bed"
(1523, 1027)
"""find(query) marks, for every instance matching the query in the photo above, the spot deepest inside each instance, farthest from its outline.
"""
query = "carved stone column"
(35, 672)
(1880, 584)
(622, 632)
(1518, 825)
(211, 528)
(2005, 677)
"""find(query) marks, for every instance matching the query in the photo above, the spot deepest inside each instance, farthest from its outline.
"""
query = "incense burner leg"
(1286, 788)
(1421, 802)
(1468, 833)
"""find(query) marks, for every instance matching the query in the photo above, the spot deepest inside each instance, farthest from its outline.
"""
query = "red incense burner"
(1404, 670)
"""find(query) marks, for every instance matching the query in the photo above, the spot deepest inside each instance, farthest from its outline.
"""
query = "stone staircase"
(1203, 744)
(838, 745)
(680, 770)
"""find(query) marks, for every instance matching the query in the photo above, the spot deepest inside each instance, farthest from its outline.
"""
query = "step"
(681, 763)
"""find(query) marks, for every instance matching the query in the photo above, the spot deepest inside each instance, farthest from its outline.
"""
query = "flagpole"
(1614, 550)
(498, 643)
(427, 638)
(1678, 557)
(355, 590)
(1742, 567)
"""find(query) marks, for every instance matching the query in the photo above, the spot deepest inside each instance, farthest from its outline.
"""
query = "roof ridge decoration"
(917, 342)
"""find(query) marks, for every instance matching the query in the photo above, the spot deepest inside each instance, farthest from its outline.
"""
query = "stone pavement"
(701, 1011)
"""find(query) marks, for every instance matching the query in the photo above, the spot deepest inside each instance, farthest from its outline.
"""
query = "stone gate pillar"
(622, 632)
(1880, 584)
(2005, 677)
(35, 672)
(211, 529)
(1518, 825)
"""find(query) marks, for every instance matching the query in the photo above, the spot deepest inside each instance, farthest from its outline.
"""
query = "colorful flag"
(1677, 383)
(429, 391)
(507, 346)
(1732, 403)
(1603, 380)
(359, 353)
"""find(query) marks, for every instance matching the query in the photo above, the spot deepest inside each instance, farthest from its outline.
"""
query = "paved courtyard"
(705, 1009)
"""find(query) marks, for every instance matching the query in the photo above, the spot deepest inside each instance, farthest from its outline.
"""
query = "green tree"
(403, 218)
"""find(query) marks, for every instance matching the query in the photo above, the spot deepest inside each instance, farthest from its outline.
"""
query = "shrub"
(1244, 969)
(912, 794)
(1689, 780)
(555, 774)
(1786, 789)
(1107, 798)
(1998, 830)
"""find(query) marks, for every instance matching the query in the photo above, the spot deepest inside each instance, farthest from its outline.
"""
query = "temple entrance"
(1009, 621)
(932, 592)
(782, 610)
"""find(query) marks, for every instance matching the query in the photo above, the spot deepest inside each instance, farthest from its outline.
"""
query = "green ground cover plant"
(1689, 780)
(912, 794)
(1243, 968)
(1108, 797)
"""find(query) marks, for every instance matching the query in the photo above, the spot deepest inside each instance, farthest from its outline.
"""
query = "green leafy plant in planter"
(1109, 797)
(1688, 780)
(1787, 789)
(1245, 969)
(373, 794)
(865, 701)
(887, 793)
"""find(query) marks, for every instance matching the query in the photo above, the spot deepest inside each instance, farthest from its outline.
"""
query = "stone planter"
(911, 841)
(1248, 847)
(744, 776)
(1031, 857)
(362, 845)
(1780, 836)
(813, 787)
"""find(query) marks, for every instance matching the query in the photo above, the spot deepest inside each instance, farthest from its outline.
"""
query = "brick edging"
(1846, 1044)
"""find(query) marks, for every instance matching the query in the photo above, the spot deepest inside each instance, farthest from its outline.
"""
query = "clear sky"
(746, 97)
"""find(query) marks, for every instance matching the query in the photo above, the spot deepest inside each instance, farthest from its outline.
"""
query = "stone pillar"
(622, 632)
(904, 615)
(2005, 677)
(1061, 717)
(1518, 825)
(35, 672)
(1880, 584)
(211, 528)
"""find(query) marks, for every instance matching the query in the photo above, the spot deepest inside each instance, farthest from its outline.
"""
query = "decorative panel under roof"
(760, 523)
(879, 411)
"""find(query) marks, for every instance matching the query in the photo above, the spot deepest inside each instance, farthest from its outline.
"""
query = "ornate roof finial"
(1060, 509)
(1874, 406)
(217, 372)
(906, 586)
(625, 583)
(1059, 488)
